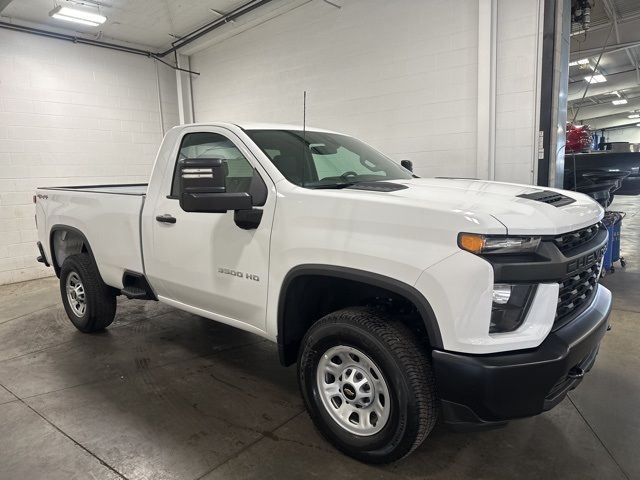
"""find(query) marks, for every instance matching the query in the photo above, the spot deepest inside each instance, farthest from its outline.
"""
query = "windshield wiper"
(334, 185)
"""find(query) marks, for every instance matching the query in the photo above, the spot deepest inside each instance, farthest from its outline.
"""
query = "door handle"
(166, 218)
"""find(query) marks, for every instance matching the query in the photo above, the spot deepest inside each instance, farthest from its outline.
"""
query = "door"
(205, 260)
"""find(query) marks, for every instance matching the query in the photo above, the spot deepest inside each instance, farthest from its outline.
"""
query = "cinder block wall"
(70, 114)
(401, 75)
(519, 28)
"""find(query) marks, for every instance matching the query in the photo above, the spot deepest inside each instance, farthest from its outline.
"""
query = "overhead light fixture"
(634, 115)
(582, 61)
(597, 78)
(78, 16)
(620, 101)
(637, 124)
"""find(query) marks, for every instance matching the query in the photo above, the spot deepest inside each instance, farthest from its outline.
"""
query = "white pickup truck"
(402, 299)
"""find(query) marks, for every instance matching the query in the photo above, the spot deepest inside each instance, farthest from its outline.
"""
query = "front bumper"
(486, 390)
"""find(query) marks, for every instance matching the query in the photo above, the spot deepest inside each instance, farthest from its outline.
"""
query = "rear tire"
(365, 351)
(89, 302)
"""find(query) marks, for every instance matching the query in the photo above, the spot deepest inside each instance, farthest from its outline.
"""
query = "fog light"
(501, 293)
(510, 305)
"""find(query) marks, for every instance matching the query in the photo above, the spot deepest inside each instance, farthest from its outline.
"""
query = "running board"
(136, 286)
(134, 293)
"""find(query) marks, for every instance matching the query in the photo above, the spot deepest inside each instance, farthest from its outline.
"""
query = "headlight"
(487, 245)
(509, 307)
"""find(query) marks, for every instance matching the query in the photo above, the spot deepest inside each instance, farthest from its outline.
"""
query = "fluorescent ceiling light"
(78, 16)
(634, 115)
(620, 101)
(75, 20)
(597, 78)
(582, 61)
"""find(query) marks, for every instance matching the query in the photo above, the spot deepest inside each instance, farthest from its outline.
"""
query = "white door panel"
(205, 260)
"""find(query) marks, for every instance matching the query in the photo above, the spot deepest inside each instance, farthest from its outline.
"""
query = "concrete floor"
(165, 394)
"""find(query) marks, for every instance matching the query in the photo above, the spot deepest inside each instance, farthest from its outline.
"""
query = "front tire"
(367, 384)
(90, 303)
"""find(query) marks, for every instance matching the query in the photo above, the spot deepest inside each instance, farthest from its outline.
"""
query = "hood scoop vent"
(547, 196)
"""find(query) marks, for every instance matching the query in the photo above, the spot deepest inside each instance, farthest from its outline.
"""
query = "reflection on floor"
(165, 394)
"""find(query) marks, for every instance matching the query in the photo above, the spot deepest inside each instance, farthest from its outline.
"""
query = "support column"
(554, 91)
(486, 117)
(185, 99)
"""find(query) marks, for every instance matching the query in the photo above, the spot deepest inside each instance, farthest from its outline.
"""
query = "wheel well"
(66, 241)
(307, 297)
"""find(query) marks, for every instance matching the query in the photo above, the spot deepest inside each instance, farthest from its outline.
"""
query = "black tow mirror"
(408, 164)
(203, 187)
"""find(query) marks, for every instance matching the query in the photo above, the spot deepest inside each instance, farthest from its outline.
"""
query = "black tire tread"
(411, 356)
(101, 299)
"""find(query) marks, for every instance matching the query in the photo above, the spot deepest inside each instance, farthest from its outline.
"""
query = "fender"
(57, 227)
(400, 288)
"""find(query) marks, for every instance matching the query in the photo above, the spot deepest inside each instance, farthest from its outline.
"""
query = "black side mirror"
(408, 164)
(203, 187)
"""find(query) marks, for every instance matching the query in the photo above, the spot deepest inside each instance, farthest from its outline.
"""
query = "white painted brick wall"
(401, 75)
(517, 59)
(70, 114)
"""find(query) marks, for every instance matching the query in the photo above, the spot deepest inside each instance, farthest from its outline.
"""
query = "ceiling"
(145, 23)
(616, 23)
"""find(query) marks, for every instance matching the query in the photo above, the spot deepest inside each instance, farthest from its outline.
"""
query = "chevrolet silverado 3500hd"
(402, 299)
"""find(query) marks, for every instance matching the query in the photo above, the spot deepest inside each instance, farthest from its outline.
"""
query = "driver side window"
(238, 170)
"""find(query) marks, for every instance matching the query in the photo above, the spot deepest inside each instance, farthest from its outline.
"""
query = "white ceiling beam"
(613, 15)
(611, 122)
(616, 81)
(593, 52)
(591, 45)
(592, 112)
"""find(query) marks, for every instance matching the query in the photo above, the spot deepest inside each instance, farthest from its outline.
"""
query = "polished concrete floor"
(164, 394)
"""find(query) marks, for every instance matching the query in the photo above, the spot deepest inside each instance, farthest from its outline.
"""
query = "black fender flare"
(396, 286)
(60, 226)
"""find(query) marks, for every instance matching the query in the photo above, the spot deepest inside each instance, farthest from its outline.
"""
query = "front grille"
(571, 240)
(576, 292)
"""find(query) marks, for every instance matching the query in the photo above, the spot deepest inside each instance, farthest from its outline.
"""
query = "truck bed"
(117, 189)
(107, 215)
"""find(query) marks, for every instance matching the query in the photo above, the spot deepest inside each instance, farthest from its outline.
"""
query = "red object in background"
(578, 138)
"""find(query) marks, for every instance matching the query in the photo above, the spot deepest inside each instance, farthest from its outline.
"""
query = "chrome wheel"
(76, 294)
(353, 390)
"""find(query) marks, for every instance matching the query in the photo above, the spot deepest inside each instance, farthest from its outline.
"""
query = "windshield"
(325, 160)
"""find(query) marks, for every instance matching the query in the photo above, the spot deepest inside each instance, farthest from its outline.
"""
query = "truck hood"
(501, 201)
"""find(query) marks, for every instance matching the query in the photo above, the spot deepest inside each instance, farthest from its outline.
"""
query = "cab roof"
(261, 126)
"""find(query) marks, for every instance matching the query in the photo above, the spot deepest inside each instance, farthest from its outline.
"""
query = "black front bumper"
(486, 390)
